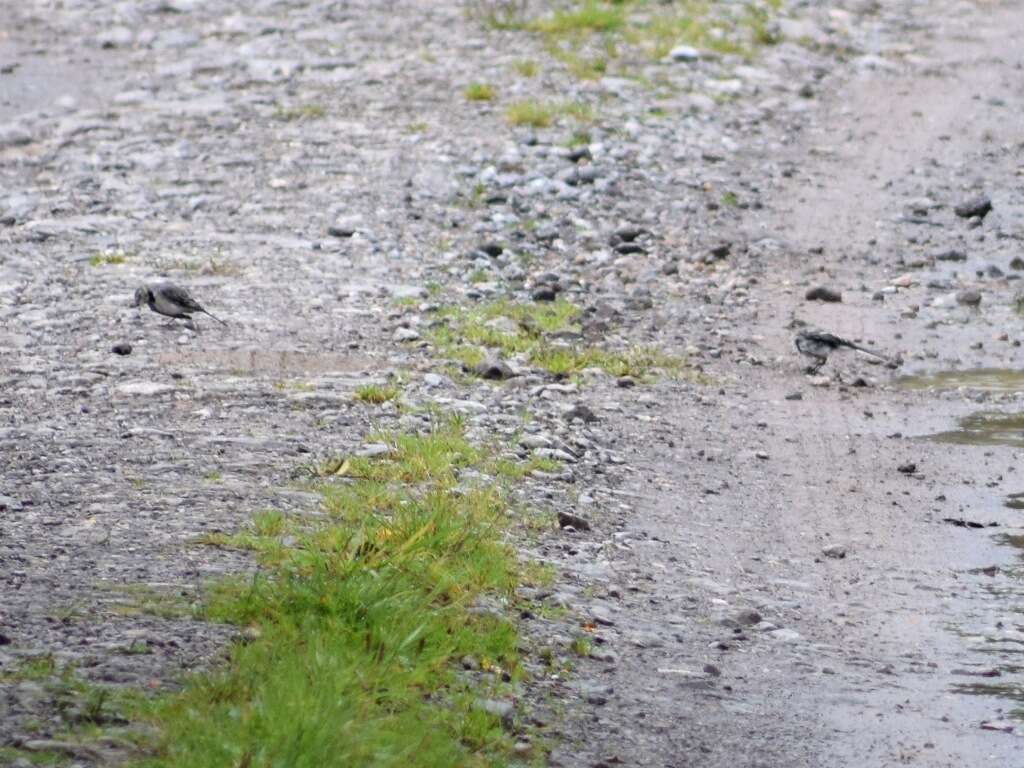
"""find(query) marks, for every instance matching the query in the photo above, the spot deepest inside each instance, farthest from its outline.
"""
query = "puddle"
(983, 379)
(284, 361)
(986, 428)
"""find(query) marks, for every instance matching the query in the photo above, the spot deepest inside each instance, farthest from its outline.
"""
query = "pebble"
(568, 519)
(835, 551)
(122, 348)
(976, 206)
(684, 53)
(968, 298)
(823, 293)
(405, 334)
(493, 369)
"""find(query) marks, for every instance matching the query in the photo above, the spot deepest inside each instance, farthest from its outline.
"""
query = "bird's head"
(142, 296)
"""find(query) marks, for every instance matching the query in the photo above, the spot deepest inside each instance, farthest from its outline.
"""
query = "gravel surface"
(762, 576)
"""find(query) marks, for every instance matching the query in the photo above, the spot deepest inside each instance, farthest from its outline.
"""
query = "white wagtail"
(818, 345)
(170, 300)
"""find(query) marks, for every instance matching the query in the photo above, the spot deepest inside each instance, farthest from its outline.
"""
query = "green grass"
(34, 668)
(376, 394)
(536, 114)
(479, 92)
(541, 114)
(300, 113)
(465, 335)
(527, 67)
(356, 628)
(102, 258)
(581, 646)
(10, 755)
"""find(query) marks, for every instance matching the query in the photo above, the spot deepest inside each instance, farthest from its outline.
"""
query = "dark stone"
(122, 348)
(969, 298)
(569, 520)
(579, 154)
(582, 412)
(720, 251)
(544, 293)
(1017, 263)
(907, 469)
(495, 370)
(823, 293)
(976, 206)
(625, 249)
(492, 249)
(625, 382)
(628, 234)
(951, 255)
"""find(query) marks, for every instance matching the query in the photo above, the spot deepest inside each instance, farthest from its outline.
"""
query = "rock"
(951, 255)
(602, 615)
(492, 249)
(823, 293)
(581, 412)
(345, 226)
(567, 519)
(795, 396)
(968, 298)
(975, 206)
(503, 324)
(144, 388)
(684, 53)
(785, 635)
(625, 382)
(122, 348)
(627, 234)
(493, 369)
(372, 450)
(405, 334)
(747, 617)
(907, 469)
(835, 551)
(503, 710)
(1006, 726)
(14, 136)
(544, 293)
(1017, 263)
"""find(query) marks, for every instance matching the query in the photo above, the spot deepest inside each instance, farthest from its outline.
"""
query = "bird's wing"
(180, 296)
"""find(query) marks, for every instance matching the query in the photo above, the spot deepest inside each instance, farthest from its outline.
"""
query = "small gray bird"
(170, 300)
(818, 345)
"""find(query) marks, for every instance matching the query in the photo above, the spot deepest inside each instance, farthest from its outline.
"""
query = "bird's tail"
(213, 316)
(865, 350)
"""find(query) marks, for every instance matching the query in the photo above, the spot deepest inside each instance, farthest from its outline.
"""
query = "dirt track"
(726, 635)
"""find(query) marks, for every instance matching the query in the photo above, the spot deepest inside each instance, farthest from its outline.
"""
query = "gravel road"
(780, 570)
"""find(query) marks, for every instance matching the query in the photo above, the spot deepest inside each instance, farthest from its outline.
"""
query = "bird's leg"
(192, 325)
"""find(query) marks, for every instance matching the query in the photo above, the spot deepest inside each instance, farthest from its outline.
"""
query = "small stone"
(968, 298)
(567, 519)
(122, 348)
(684, 53)
(582, 412)
(951, 255)
(493, 369)
(627, 234)
(1017, 263)
(785, 635)
(344, 226)
(405, 334)
(998, 725)
(625, 382)
(823, 293)
(835, 551)
(144, 388)
(795, 396)
(907, 469)
(544, 293)
(976, 206)
(492, 249)
(712, 671)
(371, 450)
(747, 617)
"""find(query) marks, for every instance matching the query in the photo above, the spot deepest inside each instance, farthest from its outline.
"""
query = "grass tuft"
(377, 394)
(355, 628)
(479, 92)
(466, 334)
(300, 113)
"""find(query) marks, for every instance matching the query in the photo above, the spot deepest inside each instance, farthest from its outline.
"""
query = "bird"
(818, 345)
(170, 300)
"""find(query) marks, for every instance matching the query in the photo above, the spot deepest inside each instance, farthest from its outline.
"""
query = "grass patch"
(109, 256)
(11, 755)
(34, 668)
(300, 113)
(541, 114)
(356, 627)
(467, 334)
(527, 68)
(141, 599)
(479, 92)
(536, 114)
(376, 394)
